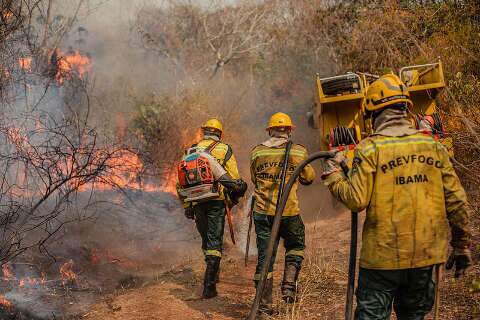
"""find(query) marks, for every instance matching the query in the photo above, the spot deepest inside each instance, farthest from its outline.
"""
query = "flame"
(32, 282)
(126, 172)
(67, 273)
(25, 63)
(7, 272)
(7, 15)
(170, 181)
(96, 256)
(5, 303)
(23, 282)
(69, 65)
(125, 169)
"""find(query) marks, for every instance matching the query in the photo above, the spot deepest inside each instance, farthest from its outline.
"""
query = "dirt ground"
(176, 294)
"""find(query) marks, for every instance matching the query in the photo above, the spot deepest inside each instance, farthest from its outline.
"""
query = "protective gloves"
(236, 194)
(189, 213)
(234, 188)
(332, 165)
(461, 259)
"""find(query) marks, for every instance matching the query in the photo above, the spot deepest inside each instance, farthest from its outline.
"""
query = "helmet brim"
(291, 127)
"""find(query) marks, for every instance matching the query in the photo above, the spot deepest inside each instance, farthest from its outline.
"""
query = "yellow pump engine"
(339, 111)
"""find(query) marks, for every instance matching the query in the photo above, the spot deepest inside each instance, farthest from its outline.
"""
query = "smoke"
(106, 235)
(134, 233)
(127, 72)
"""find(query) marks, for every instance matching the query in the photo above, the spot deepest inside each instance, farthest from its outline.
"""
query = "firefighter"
(209, 215)
(266, 166)
(406, 182)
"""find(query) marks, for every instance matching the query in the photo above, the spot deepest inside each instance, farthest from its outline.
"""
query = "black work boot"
(289, 283)
(266, 301)
(217, 276)
(210, 279)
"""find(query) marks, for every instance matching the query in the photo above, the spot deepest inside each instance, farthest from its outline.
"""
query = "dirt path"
(175, 294)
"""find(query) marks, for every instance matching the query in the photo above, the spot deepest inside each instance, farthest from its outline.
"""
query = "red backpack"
(195, 176)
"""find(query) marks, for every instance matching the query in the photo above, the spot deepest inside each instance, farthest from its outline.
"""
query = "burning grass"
(69, 65)
(139, 234)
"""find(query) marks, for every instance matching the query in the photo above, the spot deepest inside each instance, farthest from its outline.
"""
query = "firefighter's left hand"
(189, 213)
(461, 259)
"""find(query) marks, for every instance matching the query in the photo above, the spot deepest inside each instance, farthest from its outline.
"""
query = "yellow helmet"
(213, 124)
(280, 119)
(385, 91)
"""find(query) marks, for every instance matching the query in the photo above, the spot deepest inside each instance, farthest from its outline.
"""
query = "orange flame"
(126, 170)
(96, 256)
(5, 303)
(7, 15)
(31, 282)
(7, 272)
(25, 63)
(67, 273)
(70, 65)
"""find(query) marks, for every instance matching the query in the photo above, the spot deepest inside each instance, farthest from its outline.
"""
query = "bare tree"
(49, 154)
(42, 171)
(234, 32)
(205, 38)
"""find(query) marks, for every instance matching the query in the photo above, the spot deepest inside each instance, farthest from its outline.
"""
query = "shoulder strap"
(212, 146)
(229, 154)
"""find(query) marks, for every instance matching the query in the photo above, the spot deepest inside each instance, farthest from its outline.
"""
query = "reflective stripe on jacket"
(265, 168)
(411, 193)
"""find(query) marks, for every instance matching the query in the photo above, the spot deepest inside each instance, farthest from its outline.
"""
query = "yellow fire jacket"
(224, 155)
(265, 168)
(411, 193)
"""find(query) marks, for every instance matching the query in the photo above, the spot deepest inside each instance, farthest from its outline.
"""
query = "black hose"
(276, 226)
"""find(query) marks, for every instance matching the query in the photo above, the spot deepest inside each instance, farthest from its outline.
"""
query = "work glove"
(190, 213)
(234, 188)
(461, 259)
(334, 164)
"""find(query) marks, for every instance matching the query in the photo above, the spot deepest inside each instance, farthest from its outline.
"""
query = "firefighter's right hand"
(236, 193)
(332, 165)
(461, 259)
(189, 213)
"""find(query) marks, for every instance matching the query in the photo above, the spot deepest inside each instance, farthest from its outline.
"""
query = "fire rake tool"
(230, 222)
(281, 203)
(250, 224)
(438, 278)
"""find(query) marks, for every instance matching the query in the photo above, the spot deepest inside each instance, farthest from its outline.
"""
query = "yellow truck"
(339, 110)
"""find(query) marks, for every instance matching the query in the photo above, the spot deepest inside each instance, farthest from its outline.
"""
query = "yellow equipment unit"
(339, 110)
(424, 83)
